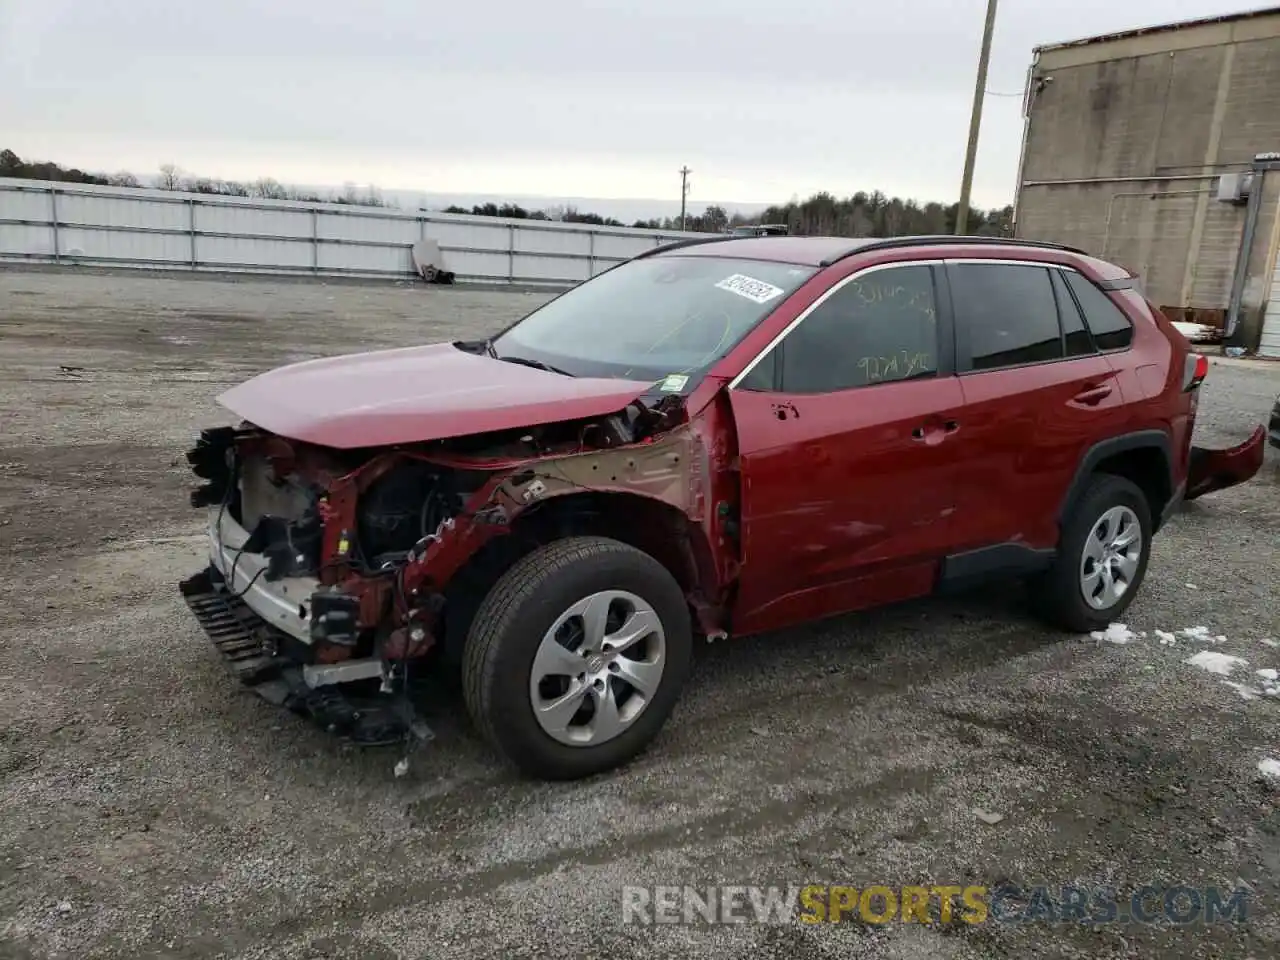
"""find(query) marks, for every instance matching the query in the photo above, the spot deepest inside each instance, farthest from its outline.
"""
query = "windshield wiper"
(523, 361)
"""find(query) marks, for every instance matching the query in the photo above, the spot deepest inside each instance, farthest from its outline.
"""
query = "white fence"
(45, 222)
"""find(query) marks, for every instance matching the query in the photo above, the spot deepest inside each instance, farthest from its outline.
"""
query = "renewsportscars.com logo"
(944, 904)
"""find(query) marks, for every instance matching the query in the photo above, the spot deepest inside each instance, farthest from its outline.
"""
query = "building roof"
(1162, 28)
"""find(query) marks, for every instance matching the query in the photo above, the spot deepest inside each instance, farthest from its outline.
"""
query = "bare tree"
(269, 189)
(170, 177)
(123, 179)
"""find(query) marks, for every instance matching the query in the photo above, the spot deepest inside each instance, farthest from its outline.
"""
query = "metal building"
(1159, 149)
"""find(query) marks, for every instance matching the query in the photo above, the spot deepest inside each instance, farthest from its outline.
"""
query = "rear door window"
(1110, 327)
(1006, 313)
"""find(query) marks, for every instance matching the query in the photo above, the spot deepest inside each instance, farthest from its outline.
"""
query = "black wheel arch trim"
(1103, 449)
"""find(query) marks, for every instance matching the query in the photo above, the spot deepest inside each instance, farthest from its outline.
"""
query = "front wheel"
(576, 657)
(1102, 558)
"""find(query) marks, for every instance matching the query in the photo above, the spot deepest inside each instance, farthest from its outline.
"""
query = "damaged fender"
(671, 470)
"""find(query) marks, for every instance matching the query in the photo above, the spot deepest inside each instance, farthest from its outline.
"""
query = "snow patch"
(1116, 633)
(1166, 639)
(1220, 663)
(1246, 692)
(1270, 768)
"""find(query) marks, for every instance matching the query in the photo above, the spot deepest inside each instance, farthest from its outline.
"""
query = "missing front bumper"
(251, 649)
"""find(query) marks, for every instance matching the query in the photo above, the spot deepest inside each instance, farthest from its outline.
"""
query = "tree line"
(865, 214)
(172, 177)
(861, 215)
(513, 211)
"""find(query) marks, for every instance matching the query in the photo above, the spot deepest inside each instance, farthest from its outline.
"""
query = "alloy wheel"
(597, 668)
(1111, 557)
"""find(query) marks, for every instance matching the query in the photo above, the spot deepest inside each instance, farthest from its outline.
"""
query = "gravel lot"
(150, 808)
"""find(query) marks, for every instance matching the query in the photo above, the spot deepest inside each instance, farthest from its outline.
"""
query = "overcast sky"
(763, 99)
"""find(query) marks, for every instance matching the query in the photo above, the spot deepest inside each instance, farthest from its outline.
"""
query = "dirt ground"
(150, 808)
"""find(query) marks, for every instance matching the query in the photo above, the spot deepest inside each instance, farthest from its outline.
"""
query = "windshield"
(658, 318)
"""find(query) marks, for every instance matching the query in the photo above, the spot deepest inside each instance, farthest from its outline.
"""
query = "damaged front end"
(294, 616)
(329, 569)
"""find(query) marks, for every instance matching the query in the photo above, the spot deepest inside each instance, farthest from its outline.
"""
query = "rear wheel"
(576, 657)
(1102, 558)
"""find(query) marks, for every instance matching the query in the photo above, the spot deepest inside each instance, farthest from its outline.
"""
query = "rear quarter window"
(1111, 329)
(1074, 333)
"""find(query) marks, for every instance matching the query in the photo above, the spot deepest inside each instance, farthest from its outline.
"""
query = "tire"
(507, 638)
(1060, 593)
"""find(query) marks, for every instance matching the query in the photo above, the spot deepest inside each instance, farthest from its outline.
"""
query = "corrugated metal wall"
(109, 226)
(1270, 345)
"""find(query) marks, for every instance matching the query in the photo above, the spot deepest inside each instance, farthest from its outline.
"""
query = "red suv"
(723, 436)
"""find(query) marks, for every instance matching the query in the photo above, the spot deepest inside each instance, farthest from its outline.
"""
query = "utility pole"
(975, 122)
(684, 192)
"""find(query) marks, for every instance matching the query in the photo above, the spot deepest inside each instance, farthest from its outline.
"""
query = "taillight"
(1197, 368)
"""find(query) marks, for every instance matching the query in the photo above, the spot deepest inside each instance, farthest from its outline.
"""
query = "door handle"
(932, 432)
(1093, 395)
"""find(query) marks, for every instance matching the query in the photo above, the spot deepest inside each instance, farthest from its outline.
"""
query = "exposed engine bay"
(338, 567)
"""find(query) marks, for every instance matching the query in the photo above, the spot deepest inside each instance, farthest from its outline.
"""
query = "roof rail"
(889, 243)
(678, 244)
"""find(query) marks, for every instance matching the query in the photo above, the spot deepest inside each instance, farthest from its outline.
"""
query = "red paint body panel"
(1023, 432)
(417, 394)
(842, 507)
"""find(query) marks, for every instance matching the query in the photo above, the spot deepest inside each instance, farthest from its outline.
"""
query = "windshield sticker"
(674, 383)
(751, 288)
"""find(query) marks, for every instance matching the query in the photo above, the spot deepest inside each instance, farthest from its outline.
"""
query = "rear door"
(846, 433)
(1037, 393)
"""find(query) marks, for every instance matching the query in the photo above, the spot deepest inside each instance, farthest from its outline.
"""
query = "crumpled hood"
(416, 394)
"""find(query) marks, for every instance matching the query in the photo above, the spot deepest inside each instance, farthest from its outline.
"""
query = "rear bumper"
(1211, 470)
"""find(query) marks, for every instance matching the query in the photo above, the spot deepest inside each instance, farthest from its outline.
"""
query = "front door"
(847, 431)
